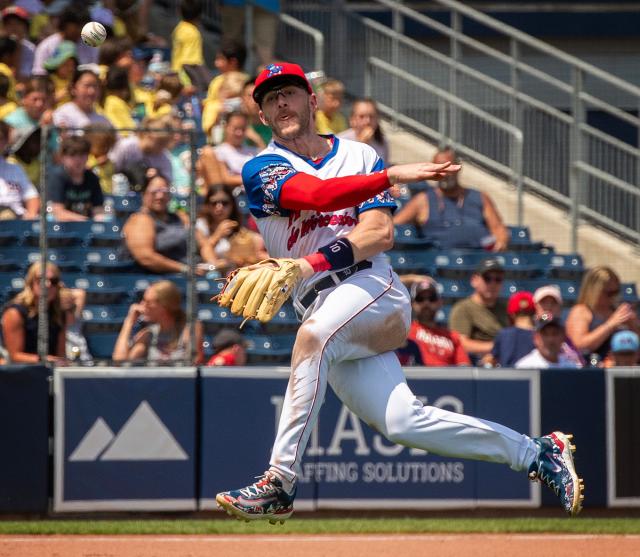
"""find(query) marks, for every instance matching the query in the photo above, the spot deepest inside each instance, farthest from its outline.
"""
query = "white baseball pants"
(347, 340)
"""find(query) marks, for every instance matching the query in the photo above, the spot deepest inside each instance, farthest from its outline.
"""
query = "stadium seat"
(10, 284)
(458, 264)
(106, 260)
(559, 266)
(569, 290)
(442, 317)
(9, 239)
(285, 321)
(272, 349)
(123, 206)
(57, 239)
(407, 237)
(207, 288)
(509, 287)
(517, 267)
(453, 290)
(103, 318)
(99, 290)
(67, 259)
(214, 318)
(134, 283)
(101, 345)
(105, 235)
(413, 261)
(628, 292)
(520, 240)
(17, 227)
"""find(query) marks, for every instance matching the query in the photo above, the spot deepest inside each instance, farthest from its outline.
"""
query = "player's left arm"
(373, 234)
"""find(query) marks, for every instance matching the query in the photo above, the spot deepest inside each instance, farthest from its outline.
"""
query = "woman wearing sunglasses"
(222, 239)
(20, 319)
(598, 314)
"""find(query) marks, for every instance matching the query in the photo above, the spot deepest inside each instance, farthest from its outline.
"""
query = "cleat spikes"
(569, 436)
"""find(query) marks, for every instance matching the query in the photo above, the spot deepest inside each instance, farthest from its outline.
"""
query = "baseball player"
(324, 202)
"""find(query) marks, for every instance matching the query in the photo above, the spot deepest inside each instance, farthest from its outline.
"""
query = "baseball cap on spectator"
(521, 302)
(625, 341)
(227, 338)
(15, 11)
(277, 75)
(546, 320)
(63, 52)
(427, 284)
(489, 264)
(549, 290)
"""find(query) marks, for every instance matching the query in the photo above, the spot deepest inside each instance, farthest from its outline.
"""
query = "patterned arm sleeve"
(263, 178)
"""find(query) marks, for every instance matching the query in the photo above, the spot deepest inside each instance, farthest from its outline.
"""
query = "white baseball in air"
(93, 34)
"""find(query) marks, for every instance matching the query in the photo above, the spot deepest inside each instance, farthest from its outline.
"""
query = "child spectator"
(117, 101)
(20, 318)
(624, 350)
(329, 119)
(9, 56)
(548, 339)
(164, 337)
(230, 349)
(365, 127)
(102, 138)
(437, 345)
(74, 191)
(186, 39)
(35, 105)
(230, 57)
(18, 196)
(515, 342)
(258, 134)
(15, 21)
(166, 96)
(61, 66)
(223, 164)
(82, 109)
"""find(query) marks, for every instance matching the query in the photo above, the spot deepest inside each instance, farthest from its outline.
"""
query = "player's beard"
(293, 132)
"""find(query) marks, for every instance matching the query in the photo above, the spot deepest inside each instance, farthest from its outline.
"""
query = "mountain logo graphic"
(143, 437)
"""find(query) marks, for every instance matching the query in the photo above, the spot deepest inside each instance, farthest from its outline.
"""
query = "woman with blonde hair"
(20, 318)
(598, 314)
(164, 336)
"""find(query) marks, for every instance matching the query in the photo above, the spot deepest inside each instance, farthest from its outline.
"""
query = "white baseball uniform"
(351, 329)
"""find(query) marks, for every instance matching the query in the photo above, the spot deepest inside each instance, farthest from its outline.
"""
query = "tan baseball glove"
(258, 291)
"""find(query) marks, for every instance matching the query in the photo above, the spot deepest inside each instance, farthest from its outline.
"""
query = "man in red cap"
(512, 343)
(323, 201)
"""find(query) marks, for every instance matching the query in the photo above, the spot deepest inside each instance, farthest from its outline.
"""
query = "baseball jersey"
(293, 233)
(438, 346)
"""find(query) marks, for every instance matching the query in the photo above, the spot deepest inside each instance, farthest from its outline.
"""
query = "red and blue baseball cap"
(277, 75)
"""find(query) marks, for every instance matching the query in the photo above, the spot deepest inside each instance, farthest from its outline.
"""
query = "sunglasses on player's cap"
(279, 74)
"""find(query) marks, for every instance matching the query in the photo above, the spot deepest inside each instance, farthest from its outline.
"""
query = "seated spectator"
(164, 337)
(365, 127)
(453, 216)
(222, 239)
(18, 196)
(166, 96)
(436, 345)
(624, 350)
(230, 349)
(146, 149)
(548, 299)
(515, 342)
(479, 317)
(34, 108)
(548, 339)
(9, 52)
(229, 100)
(81, 110)
(15, 23)
(102, 138)
(329, 119)
(230, 57)
(598, 314)
(117, 101)
(223, 164)
(155, 238)
(72, 302)
(61, 67)
(258, 134)
(20, 319)
(70, 25)
(74, 192)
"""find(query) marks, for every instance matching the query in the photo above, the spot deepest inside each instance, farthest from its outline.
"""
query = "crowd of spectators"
(128, 118)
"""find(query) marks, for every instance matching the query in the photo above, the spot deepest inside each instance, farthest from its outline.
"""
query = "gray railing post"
(398, 27)
(442, 123)
(43, 307)
(338, 66)
(575, 155)
(454, 114)
(192, 246)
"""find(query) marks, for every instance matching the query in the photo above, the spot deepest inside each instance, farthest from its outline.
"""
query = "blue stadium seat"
(10, 284)
(123, 206)
(11, 261)
(569, 290)
(458, 264)
(413, 261)
(105, 235)
(17, 227)
(453, 290)
(134, 283)
(57, 239)
(520, 240)
(207, 288)
(407, 237)
(285, 321)
(101, 345)
(9, 239)
(518, 267)
(628, 292)
(103, 318)
(560, 266)
(509, 287)
(272, 349)
(98, 288)
(106, 260)
(214, 318)
(442, 317)
(67, 259)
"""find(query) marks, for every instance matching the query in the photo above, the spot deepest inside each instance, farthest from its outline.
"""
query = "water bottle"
(120, 184)
(109, 210)
(594, 360)
(50, 216)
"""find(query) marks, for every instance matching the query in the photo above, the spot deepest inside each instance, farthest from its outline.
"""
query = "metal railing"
(296, 35)
(557, 100)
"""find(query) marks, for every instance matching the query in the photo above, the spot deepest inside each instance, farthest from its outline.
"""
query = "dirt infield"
(348, 545)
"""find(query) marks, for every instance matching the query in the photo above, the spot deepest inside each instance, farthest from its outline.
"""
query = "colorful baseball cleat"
(554, 467)
(266, 499)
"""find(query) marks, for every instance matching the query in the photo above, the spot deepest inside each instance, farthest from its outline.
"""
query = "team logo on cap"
(274, 69)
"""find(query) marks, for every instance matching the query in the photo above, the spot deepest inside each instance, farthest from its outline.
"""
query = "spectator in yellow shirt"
(166, 96)
(6, 106)
(102, 138)
(61, 67)
(117, 107)
(186, 37)
(329, 119)
(230, 57)
(9, 50)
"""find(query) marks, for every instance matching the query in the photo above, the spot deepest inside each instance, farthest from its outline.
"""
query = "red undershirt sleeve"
(303, 191)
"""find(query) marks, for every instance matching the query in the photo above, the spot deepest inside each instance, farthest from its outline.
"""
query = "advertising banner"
(347, 464)
(125, 439)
